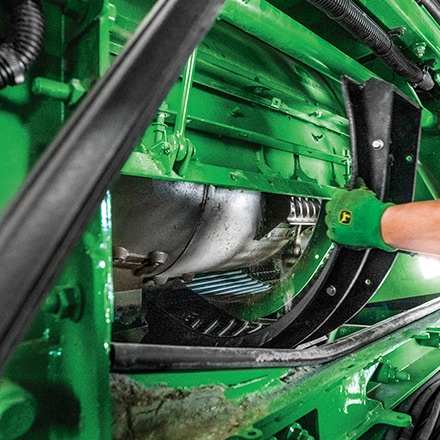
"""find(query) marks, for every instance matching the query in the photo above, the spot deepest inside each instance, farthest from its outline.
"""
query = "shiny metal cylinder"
(201, 227)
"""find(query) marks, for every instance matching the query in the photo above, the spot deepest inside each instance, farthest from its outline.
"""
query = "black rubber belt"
(47, 217)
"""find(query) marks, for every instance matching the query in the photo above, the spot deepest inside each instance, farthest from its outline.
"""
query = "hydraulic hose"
(423, 408)
(358, 24)
(23, 42)
(433, 7)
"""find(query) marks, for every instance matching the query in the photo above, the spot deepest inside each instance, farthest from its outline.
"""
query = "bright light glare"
(430, 267)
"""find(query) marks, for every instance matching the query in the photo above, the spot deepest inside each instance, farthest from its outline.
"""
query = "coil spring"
(303, 211)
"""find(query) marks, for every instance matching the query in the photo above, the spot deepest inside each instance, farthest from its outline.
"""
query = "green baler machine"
(165, 270)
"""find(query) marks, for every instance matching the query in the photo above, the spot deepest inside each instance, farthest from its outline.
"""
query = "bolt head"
(17, 410)
(377, 144)
(331, 290)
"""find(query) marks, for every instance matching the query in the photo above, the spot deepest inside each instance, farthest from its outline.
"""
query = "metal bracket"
(384, 132)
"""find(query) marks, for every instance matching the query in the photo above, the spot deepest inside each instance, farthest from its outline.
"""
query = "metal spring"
(303, 211)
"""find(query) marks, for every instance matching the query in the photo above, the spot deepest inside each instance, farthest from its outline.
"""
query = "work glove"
(353, 218)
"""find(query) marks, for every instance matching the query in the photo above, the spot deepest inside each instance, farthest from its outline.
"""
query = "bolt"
(17, 410)
(387, 373)
(188, 277)
(65, 302)
(420, 49)
(402, 376)
(157, 257)
(377, 144)
(120, 254)
(396, 32)
(409, 158)
(51, 88)
(331, 290)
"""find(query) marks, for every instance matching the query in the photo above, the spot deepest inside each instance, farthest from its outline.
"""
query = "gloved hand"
(353, 218)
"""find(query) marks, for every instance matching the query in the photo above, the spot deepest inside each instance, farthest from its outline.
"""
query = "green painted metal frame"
(66, 350)
(63, 360)
(354, 397)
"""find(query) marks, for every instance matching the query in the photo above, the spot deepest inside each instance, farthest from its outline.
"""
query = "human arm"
(412, 226)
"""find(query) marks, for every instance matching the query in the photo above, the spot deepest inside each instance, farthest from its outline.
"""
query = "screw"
(378, 144)
(331, 290)
(387, 373)
(65, 302)
(420, 49)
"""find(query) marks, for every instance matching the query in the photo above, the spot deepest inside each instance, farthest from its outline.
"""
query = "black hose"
(436, 432)
(23, 41)
(431, 418)
(433, 7)
(418, 410)
(358, 24)
(143, 358)
(417, 405)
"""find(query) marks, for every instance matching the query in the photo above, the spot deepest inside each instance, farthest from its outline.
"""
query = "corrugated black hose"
(23, 41)
(355, 21)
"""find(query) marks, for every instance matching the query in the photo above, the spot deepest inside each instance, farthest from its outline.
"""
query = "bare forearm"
(413, 227)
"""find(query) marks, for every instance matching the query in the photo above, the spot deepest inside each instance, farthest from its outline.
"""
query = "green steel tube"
(270, 25)
(181, 117)
(187, 80)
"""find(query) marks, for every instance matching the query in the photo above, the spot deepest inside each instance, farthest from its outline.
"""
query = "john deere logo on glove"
(345, 217)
